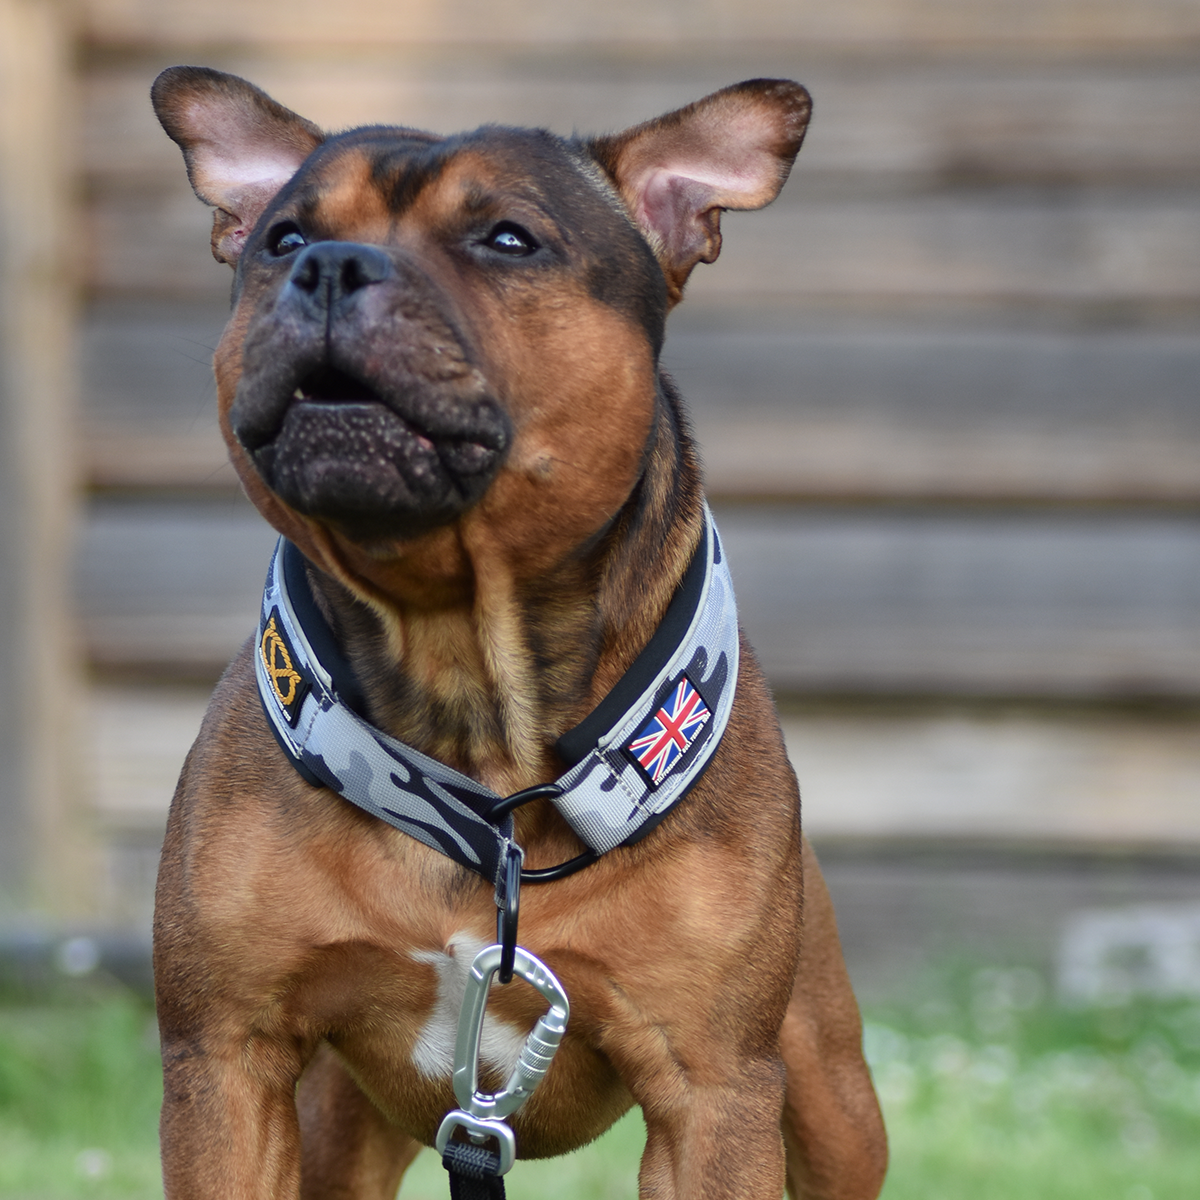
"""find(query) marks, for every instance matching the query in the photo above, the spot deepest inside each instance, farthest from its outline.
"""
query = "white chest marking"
(433, 1052)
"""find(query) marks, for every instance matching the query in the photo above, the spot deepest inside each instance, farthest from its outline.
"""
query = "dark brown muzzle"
(359, 401)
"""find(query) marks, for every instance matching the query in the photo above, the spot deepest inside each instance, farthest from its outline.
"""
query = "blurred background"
(948, 394)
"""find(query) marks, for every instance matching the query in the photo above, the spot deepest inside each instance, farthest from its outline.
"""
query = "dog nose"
(328, 272)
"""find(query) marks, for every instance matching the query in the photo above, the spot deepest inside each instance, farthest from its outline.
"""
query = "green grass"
(79, 1098)
(991, 1091)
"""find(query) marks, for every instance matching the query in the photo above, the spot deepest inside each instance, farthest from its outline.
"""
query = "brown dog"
(440, 382)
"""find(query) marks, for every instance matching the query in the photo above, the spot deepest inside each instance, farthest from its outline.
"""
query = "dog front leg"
(349, 1148)
(716, 1140)
(229, 1129)
(837, 1147)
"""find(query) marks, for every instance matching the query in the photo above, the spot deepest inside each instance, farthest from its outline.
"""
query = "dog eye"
(508, 238)
(284, 238)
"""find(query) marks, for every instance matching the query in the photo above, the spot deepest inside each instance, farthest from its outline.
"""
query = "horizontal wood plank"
(1072, 777)
(970, 604)
(899, 120)
(1069, 245)
(125, 458)
(1030, 604)
(838, 461)
(423, 22)
(1050, 778)
(805, 461)
(814, 406)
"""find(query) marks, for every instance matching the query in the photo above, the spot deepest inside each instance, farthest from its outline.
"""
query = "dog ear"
(239, 145)
(677, 174)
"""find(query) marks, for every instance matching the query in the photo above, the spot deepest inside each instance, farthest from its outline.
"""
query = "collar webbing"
(629, 762)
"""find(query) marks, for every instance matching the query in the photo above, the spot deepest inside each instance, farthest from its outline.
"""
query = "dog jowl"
(440, 383)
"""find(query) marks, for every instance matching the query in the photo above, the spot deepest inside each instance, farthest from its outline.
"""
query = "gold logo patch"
(286, 682)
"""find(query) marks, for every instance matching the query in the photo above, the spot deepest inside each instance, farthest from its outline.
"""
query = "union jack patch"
(668, 735)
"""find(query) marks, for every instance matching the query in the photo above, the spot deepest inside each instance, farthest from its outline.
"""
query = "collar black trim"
(576, 744)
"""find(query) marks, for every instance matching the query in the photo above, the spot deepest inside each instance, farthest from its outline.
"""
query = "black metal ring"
(501, 809)
(550, 874)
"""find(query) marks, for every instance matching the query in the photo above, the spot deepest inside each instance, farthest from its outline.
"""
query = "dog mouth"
(329, 385)
(362, 458)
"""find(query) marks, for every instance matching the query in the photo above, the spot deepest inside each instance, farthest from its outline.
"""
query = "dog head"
(441, 342)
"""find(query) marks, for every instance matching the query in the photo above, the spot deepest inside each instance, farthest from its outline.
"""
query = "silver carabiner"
(482, 1115)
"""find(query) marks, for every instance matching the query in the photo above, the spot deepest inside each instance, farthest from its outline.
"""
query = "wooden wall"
(996, 167)
(946, 386)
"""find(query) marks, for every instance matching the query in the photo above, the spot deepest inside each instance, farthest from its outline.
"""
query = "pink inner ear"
(236, 164)
(736, 176)
(256, 169)
(671, 206)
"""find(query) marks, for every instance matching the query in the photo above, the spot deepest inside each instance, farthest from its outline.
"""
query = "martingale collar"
(629, 762)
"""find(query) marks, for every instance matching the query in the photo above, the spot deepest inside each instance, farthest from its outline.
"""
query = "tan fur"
(294, 933)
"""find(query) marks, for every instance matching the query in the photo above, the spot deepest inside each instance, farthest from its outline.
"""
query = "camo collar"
(629, 762)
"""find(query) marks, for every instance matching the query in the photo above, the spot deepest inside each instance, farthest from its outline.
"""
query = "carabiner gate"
(481, 1115)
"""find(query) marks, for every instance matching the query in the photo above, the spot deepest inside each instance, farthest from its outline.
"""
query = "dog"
(440, 384)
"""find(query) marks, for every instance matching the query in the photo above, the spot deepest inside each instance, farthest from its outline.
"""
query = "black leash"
(474, 1172)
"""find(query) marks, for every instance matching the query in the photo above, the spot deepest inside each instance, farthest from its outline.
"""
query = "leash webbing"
(474, 1172)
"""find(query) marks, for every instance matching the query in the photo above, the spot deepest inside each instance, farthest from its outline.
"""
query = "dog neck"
(484, 677)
